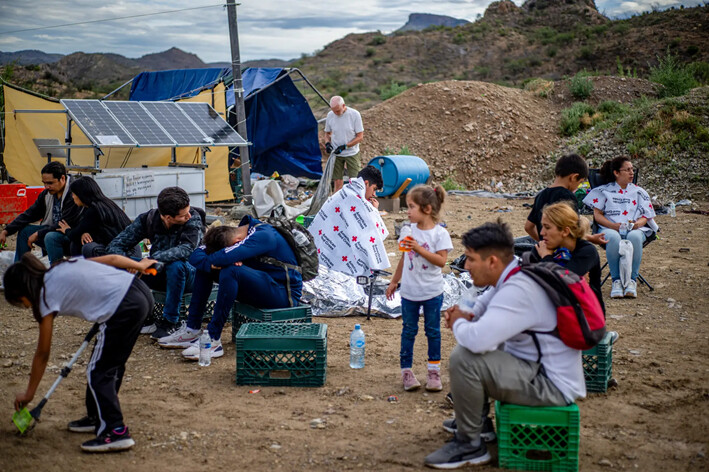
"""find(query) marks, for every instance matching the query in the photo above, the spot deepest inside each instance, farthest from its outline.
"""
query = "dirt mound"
(472, 132)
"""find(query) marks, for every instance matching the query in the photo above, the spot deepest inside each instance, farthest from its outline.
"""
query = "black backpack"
(302, 243)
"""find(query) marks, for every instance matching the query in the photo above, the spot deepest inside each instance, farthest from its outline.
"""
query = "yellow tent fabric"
(24, 162)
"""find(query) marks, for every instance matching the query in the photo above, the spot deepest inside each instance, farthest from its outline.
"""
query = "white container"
(136, 190)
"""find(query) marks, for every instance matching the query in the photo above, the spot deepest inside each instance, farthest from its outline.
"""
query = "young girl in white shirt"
(117, 300)
(424, 245)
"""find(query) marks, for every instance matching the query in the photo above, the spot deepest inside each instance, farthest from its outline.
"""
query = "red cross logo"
(595, 200)
(634, 202)
(319, 232)
(352, 208)
(371, 240)
(620, 191)
(336, 228)
(344, 258)
(318, 251)
(354, 239)
(625, 212)
(377, 225)
(650, 205)
(337, 209)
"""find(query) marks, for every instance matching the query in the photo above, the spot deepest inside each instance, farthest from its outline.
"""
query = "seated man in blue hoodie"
(233, 257)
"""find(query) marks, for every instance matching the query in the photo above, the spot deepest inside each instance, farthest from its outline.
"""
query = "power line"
(110, 19)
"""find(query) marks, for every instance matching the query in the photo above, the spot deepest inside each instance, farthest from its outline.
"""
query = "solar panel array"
(156, 124)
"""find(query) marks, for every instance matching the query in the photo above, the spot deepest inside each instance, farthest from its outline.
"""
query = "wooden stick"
(401, 189)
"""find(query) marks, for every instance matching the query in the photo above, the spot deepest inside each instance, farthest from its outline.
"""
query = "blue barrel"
(396, 169)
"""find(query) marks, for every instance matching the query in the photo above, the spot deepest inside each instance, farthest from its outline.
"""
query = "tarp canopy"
(175, 84)
(24, 161)
(279, 121)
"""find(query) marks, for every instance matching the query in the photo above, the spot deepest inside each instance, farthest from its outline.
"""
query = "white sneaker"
(192, 352)
(148, 329)
(617, 289)
(631, 291)
(180, 339)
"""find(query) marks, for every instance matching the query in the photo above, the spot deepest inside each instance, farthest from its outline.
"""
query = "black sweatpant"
(114, 343)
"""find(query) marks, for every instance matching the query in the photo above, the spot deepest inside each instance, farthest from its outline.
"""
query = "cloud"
(267, 28)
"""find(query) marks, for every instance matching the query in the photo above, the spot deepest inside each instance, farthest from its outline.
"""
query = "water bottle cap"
(357, 326)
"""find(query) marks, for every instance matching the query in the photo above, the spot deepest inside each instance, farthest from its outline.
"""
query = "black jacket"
(42, 210)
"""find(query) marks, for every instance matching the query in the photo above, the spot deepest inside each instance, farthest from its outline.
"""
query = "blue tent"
(279, 121)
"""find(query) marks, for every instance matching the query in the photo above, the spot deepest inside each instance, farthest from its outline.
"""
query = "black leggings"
(114, 343)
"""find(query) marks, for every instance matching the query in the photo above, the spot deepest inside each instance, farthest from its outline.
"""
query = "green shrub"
(551, 51)
(369, 52)
(586, 53)
(692, 50)
(451, 184)
(611, 107)
(584, 149)
(545, 34)
(676, 78)
(700, 71)
(564, 38)
(392, 90)
(574, 118)
(580, 86)
(377, 40)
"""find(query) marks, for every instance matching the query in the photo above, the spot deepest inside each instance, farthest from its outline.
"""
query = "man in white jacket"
(502, 349)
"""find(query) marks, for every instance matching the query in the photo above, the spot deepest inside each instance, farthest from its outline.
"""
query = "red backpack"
(580, 321)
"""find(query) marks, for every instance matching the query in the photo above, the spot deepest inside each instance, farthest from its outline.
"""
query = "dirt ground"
(188, 418)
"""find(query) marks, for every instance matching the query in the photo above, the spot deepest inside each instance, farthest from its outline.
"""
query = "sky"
(281, 29)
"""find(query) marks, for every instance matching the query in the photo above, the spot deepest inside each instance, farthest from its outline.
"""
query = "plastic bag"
(626, 261)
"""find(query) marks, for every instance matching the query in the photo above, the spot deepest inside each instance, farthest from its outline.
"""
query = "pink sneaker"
(409, 379)
(433, 382)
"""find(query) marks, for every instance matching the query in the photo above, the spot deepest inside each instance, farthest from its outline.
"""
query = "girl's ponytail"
(25, 279)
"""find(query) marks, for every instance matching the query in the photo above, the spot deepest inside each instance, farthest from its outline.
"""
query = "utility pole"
(239, 99)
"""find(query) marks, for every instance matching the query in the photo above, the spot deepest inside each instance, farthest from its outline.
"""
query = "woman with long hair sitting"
(622, 210)
(100, 222)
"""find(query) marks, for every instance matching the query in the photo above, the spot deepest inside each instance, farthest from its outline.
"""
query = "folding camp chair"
(594, 179)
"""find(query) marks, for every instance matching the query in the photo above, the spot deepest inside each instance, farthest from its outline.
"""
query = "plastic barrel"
(396, 169)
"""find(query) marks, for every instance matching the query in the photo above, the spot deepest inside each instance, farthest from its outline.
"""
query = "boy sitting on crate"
(233, 257)
(533, 368)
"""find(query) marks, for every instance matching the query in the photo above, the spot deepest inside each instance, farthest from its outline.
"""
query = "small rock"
(684, 249)
(7, 363)
(276, 446)
(605, 463)
(183, 435)
(634, 352)
(366, 398)
(342, 391)
(317, 423)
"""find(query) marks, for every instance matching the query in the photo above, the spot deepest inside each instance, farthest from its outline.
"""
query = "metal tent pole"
(239, 99)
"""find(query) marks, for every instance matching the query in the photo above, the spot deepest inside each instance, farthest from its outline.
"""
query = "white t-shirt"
(421, 280)
(344, 128)
(620, 205)
(85, 289)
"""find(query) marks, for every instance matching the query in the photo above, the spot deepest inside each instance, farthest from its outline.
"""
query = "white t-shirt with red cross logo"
(621, 205)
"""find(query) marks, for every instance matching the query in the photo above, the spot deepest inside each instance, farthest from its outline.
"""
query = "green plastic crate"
(598, 365)
(242, 313)
(538, 438)
(281, 354)
(159, 305)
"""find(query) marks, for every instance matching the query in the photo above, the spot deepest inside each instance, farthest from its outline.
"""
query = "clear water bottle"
(467, 301)
(673, 212)
(300, 239)
(357, 348)
(205, 345)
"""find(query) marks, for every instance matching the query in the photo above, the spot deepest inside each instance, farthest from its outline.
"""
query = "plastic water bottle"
(300, 239)
(357, 348)
(205, 345)
(467, 301)
(623, 230)
(673, 212)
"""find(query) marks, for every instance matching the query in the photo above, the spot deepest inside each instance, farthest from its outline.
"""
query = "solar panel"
(119, 123)
(139, 123)
(97, 122)
(211, 123)
(182, 130)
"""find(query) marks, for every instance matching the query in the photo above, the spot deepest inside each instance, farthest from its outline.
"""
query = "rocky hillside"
(421, 21)
(508, 45)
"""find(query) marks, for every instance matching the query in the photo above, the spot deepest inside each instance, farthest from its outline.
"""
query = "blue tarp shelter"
(279, 121)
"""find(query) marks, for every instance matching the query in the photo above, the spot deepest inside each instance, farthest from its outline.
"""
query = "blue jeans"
(242, 283)
(431, 324)
(180, 275)
(636, 238)
(55, 244)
